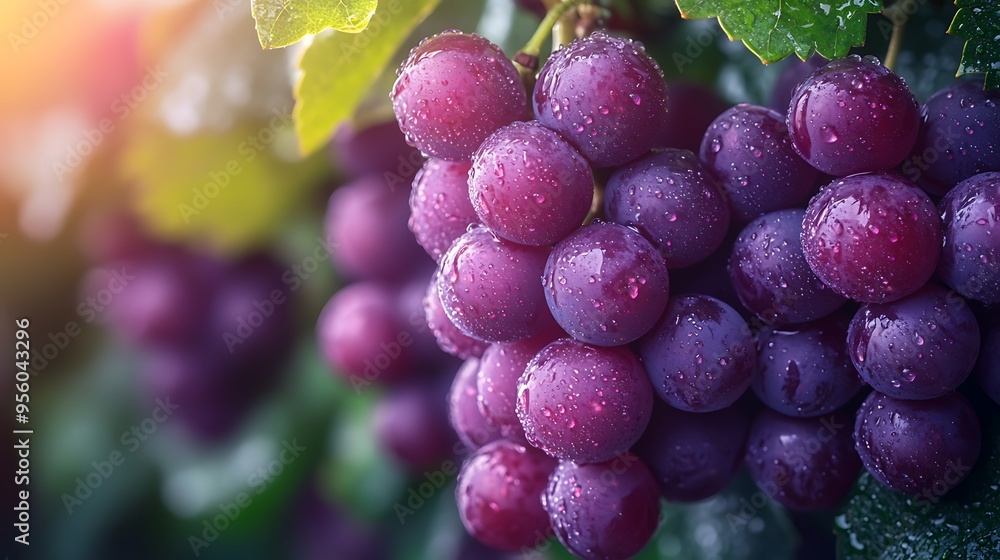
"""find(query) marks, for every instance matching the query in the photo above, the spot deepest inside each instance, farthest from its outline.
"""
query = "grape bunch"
(212, 334)
(640, 317)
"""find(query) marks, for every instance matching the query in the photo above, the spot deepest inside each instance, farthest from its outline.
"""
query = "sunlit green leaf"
(283, 22)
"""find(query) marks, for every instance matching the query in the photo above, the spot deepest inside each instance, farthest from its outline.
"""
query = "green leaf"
(978, 22)
(774, 29)
(283, 22)
(878, 523)
(235, 189)
(338, 69)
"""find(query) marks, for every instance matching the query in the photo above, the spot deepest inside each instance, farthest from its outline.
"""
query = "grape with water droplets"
(584, 403)
(673, 201)
(529, 186)
(918, 447)
(970, 257)
(499, 495)
(449, 337)
(748, 148)
(605, 95)
(440, 209)
(606, 284)
(700, 355)
(603, 511)
(463, 409)
(853, 115)
(453, 91)
(919, 347)
(872, 237)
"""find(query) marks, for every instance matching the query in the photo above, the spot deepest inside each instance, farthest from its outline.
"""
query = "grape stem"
(899, 13)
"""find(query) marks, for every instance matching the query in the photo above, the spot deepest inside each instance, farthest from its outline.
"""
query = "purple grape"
(453, 91)
(693, 456)
(605, 95)
(970, 257)
(362, 338)
(794, 72)
(987, 371)
(853, 115)
(748, 148)
(959, 137)
(693, 107)
(583, 403)
(700, 355)
(919, 347)
(529, 186)
(463, 409)
(803, 463)
(770, 273)
(440, 209)
(872, 238)
(499, 495)
(673, 201)
(412, 427)
(806, 371)
(366, 230)
(923, 448)
(499, 371)
(603, 511)
(491, 289)
(380, 149)
(605, 284)
(449, 337)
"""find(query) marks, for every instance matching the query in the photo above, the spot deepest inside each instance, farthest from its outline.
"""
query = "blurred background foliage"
(169, 110)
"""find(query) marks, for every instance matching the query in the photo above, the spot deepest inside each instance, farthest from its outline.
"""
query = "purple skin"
(412, 427)
(496, 382)
(921, 448)
(805, 371)
(584, 403)
(605, 95)
(770, 273)
(499, 495)
(360, 336)
(853, 116)
(920, 347)
(872, 238)
(529, 186)
(794, 72)
(693, 107)
(673, 201)
(366, 231)
(959, 137)
(453, 91)
(449, 338)
(693, 456)
(490, 288)
(970, 257)
(440, 209)
(987, 372)
(700, 356)
(374, 150)
(747, 147)
(604, 511)
(463, 409)
(805, 464)
(605, 284)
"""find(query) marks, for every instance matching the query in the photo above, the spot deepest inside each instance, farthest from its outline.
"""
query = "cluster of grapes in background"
(212, 334)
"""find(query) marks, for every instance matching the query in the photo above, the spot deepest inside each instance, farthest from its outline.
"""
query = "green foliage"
(774, 29)
(978, 22)
(283, 22)
(879, 523)
(338, 69)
